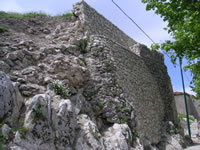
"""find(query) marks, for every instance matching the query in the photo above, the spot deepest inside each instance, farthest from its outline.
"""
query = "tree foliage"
(183, 17)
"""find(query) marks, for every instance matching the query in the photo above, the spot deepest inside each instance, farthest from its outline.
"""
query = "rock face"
(80, 83)
(10, 99)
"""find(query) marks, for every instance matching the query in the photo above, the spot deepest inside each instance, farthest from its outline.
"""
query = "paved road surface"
(197, 147)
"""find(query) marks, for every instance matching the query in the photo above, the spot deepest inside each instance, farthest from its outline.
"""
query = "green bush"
(181, 116)
(3, 28)
(38, 115)
(94, 134)
(108, 65)
(53, 125)
(60, 89)
(127, 130)
(83, 45)
(23, 131)
(11, 134)
(2, 141)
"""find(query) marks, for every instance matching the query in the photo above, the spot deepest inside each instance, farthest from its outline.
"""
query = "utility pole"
(186, 106)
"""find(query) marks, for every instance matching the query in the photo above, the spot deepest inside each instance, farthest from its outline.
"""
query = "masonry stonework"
(140, 71)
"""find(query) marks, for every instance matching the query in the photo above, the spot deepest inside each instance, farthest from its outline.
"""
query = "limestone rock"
(5, 131)
(38, 121)
(4, 67)
(10, 98)
(117, 137)
(88, 137)
(3, 52)
(174, 143)
(64, 124)
(31, 89)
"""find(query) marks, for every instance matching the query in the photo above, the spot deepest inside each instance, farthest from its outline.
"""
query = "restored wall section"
(141, 73)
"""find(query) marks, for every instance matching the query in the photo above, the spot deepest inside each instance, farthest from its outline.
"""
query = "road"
(197, 147)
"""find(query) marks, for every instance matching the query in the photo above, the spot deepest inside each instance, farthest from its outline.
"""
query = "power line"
(138, 26)
(134, 22)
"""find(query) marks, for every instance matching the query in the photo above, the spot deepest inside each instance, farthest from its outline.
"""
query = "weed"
(126, 129)
(94, 134)
(127, 109)
(60, 89)
(84, 61)
(3, 28)
(135, 135)
(118, 109)
(2, 141)
(83, 112)
(181, 116)
(38, 115)
(83, 45)
(23, 131)
(4, 120)
(100, 104)
(108, 65)
(123, 121)
(11, 134)
(53, 125)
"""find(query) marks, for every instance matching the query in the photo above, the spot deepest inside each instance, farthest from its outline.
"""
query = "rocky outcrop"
(10, 99)
(81, 83)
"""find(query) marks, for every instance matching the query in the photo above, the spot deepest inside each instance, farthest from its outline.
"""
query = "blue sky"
(148, 21)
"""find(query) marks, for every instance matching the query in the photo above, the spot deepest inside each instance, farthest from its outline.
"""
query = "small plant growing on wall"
(94, 134)
(2, 141)
(108, 65)
(82, 45)
(38, 115)
(60, 89)
(23, 131)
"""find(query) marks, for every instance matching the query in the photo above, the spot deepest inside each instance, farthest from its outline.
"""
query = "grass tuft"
(68, 15)
(60, 89)
(23, 131)
(94, 134)
(38, 115)
(82, 45)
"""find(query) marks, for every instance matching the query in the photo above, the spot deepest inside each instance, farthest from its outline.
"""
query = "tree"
(183, 17)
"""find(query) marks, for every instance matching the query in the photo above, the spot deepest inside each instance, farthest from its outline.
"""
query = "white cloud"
(189, 91)
(10, 5)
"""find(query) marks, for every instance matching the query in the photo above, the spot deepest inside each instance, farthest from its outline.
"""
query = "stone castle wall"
(97, 24)
(141, 73)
